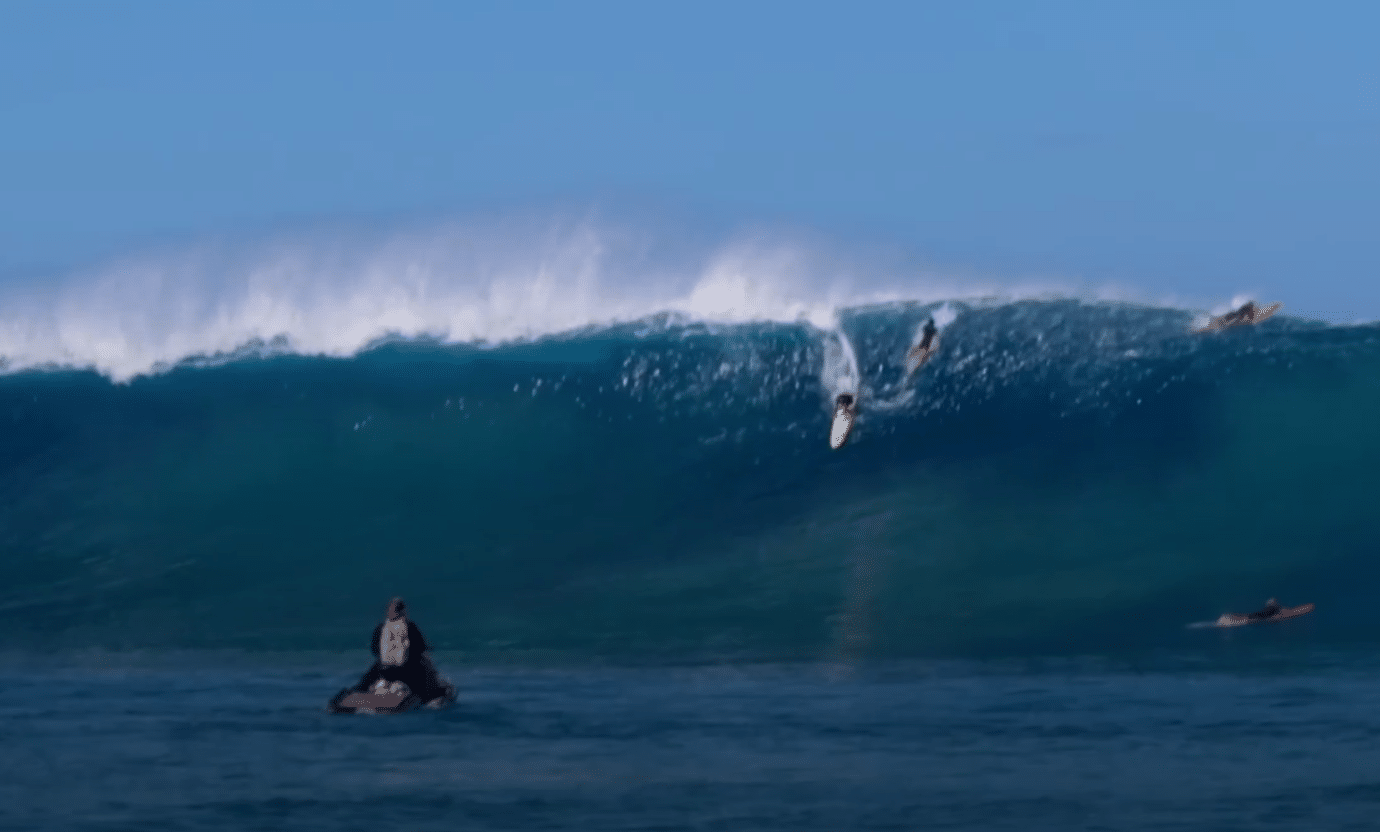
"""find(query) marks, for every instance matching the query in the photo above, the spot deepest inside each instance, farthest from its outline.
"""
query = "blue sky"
(1202, 148)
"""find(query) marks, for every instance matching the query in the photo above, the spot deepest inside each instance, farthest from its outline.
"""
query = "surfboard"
(1236, 619)
(374, 701)
(386, 699)
(842, 426)
(916, 358)
(1260, 315)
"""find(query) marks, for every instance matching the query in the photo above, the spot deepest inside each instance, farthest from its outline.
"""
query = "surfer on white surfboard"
(921, 352)
(1247, 313)
(927, 335)
(1243, 315)
(1270, 613)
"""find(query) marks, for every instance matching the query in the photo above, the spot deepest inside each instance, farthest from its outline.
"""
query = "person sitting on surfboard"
(400, 656)
(1270, 610)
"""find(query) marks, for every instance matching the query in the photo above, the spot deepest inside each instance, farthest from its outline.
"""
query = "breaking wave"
(571, 452)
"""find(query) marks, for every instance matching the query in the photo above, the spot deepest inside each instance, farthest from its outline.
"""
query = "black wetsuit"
(416, 671)
(929, 333)
(1270, 610)
(1245, 314)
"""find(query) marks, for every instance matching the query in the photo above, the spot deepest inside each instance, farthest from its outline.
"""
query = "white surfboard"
(1237, 619)
(842, 426)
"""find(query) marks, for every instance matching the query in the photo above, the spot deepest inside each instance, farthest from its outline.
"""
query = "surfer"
(1244, 315)
(1247, 313)
(847, 402)
(1270, 613)
(924, 350)
(927, 336)
(400, 656)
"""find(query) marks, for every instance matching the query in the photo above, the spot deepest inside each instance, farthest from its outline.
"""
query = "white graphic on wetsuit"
(393, 643)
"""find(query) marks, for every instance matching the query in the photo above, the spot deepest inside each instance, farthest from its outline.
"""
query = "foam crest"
(478, 282)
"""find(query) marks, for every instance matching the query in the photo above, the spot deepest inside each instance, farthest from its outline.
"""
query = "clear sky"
(1193, 148)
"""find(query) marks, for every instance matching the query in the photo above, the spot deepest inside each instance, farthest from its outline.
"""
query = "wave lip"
(476, 283)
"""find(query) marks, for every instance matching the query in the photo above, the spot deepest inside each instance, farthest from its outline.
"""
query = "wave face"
(1062, 477)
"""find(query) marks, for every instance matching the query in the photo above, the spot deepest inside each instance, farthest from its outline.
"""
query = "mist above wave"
(336, 293)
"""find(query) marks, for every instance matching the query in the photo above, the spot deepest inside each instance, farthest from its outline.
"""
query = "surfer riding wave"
(927, 336)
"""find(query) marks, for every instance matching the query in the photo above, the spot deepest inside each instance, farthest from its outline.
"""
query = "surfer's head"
(845, 399)
(397, 607)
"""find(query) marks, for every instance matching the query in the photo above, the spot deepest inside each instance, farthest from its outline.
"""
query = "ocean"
(669, 605)
(1253, 738)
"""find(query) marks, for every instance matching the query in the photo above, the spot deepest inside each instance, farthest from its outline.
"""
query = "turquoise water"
(1062, 478)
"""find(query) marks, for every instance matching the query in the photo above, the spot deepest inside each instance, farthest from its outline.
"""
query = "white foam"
(840, 373)
(943, 316)
(477, 282)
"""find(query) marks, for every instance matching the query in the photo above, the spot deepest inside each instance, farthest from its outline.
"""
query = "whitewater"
(491, 283)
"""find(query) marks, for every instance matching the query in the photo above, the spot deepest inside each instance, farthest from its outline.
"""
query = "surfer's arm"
(414, 635)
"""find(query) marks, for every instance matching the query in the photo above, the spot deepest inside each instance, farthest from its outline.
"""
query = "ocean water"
(1063, 477)
(1281, 741)
(669, 605)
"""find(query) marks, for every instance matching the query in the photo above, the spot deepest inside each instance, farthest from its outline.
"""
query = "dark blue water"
(1292, 742)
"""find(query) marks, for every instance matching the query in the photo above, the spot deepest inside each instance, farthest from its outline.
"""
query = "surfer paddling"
(1272, 611)
(400, 656)
(1246, 314)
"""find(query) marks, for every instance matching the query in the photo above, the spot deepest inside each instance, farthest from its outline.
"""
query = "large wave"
(574, 440)
(1064, 475)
